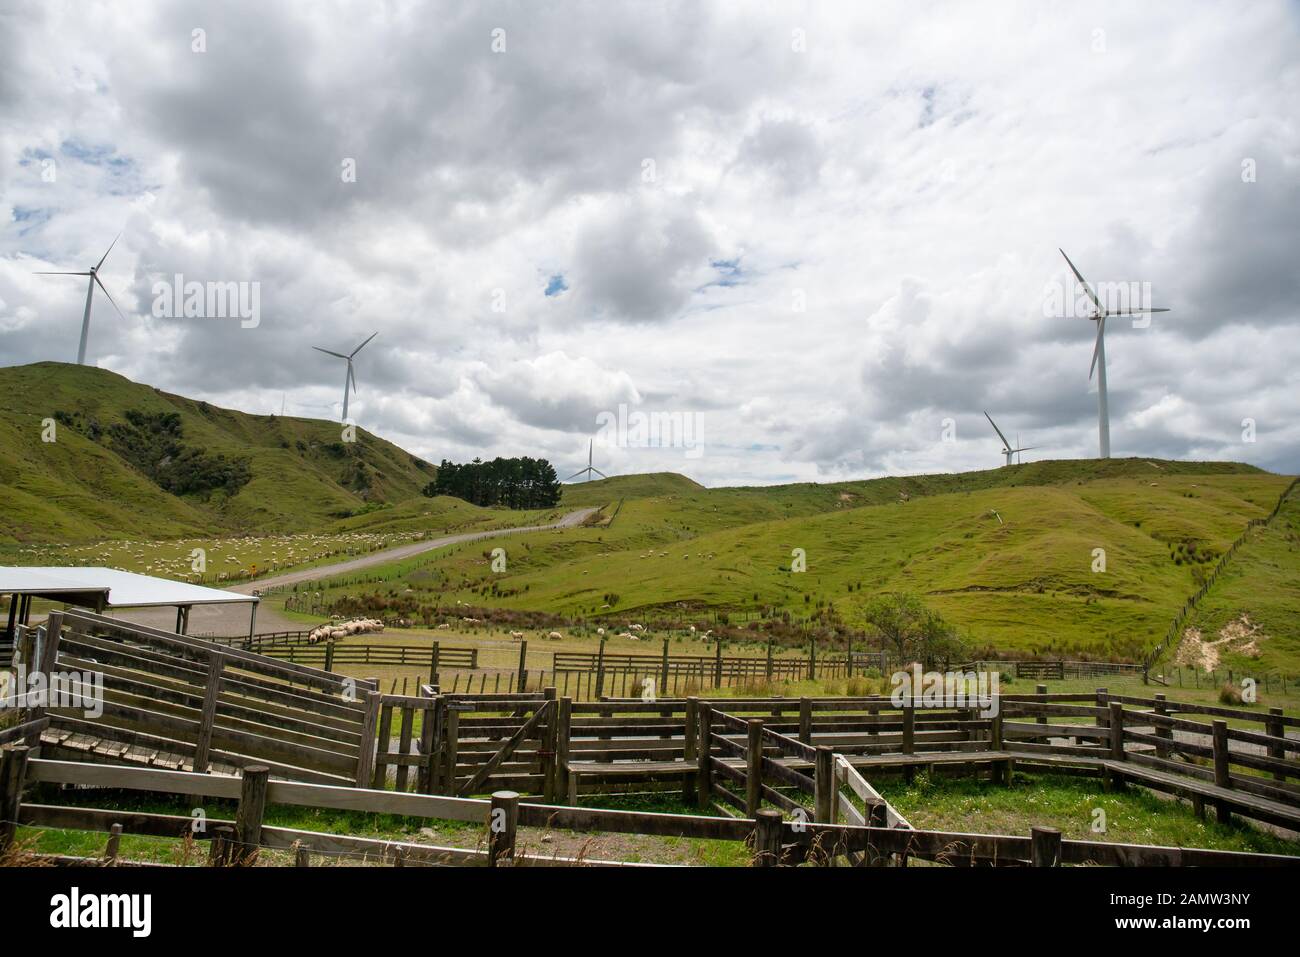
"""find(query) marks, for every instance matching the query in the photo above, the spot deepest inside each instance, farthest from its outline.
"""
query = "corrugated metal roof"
(123, 589)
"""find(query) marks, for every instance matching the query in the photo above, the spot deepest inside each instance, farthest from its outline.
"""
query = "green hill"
(1006, 554)
(131, 460)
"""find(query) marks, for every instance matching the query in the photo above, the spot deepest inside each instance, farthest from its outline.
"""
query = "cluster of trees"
(151, 441)
(515, 483)
(912, 631)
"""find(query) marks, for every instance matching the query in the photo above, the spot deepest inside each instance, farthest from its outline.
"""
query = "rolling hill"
(131, 460)
(1006, 554)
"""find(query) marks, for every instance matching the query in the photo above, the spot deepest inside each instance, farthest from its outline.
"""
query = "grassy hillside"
(1009, 560)
(86, 485)
(1250, 615)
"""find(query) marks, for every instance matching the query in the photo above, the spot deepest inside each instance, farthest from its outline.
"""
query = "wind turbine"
(590, 468)
(1099, 316)
(1007, 450)
(93, 273)
(350, 380)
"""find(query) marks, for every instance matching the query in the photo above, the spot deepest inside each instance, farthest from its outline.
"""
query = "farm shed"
(103, 589)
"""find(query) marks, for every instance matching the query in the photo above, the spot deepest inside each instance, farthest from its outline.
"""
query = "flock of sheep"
(342, 629)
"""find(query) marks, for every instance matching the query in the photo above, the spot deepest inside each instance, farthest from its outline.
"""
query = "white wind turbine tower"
(350, 380)
(1099, 316)
(1007, 450)
(93, 273)
(590, 468)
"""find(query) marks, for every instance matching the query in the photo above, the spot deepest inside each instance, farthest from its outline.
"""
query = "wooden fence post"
(208, 714)
(1162, 750)
(563, 730)
(704, 773)
(767, 838)
(717, 665)
(1044, 847)
(754, 768)
(812, 659)
(1116, 731)
(663, 672)
(221, 847)
(366, 758)
(503, 826)
(600, 670)
(689, 733)
(523, 666)
(114, 843)
(1222, 776)
(49, 653)
(1041, 690)
(434, 654)
(13, 772)
(450, 746)
(805, 720)
(249, 814)
(909, 725)
(824, 785)
(1101, 703)
(1274, 728)
(549, 737)
(769, 659)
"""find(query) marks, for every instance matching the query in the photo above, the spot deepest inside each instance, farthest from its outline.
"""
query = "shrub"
(1229, 693)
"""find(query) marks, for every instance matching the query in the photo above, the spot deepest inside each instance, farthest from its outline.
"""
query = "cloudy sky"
(824, 235)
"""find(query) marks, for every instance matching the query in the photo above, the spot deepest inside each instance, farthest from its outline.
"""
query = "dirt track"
(233, 619)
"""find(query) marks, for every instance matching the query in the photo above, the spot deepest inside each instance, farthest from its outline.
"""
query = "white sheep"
(555, 636)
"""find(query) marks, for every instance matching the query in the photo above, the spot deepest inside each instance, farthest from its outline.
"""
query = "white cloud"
(906, 180)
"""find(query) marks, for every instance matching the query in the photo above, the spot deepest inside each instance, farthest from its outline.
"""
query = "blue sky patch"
(556, 285)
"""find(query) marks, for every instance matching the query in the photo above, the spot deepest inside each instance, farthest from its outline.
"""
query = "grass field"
(1014, 567)
(1077, 806)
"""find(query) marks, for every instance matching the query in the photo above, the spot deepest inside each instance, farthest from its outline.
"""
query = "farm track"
(573, 519)
(218, 619)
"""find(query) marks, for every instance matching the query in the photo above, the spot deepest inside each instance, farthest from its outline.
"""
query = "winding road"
(571, 520)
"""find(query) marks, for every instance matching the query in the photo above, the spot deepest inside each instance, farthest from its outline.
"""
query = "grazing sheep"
(636, 627)
(516, 634)
(555, 636)
(444, 625)
(600, 631)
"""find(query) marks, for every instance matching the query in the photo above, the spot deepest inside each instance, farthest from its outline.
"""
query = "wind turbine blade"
(1096, 350)
(108, 250)
(1028, 448)
(600, 473)
(61, 274)
(110, 298)
(1083, 282)
(575, 475)
(363, 345)
(352, 377)
(997, 430)
(329, 353)
(1136, 312)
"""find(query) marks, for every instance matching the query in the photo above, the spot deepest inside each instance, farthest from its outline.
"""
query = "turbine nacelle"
(350, 379)
(1099, 316)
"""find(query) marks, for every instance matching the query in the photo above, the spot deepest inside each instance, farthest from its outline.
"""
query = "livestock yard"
(208, 753)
